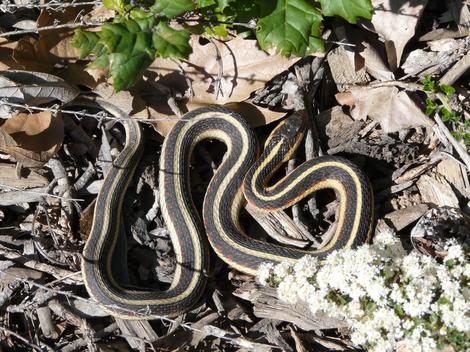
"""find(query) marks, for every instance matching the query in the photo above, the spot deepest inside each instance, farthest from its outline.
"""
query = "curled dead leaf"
(216, 72)
(393, 109)
(395, 21)
(32, 139)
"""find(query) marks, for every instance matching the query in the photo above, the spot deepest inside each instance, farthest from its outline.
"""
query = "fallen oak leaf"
(215, 73)
(392, 109)
(39, 88)
(396, 22)
(32, 139)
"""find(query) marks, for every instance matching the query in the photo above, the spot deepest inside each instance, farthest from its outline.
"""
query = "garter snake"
(222, 204)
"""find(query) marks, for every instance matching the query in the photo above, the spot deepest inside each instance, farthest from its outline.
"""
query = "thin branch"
(21, 338)
(208, 330)
(52, 27)
(54, 6)
(99, 116)
(40, 193)
(457, 146)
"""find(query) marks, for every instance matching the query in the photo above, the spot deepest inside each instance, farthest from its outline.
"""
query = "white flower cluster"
(389, 298)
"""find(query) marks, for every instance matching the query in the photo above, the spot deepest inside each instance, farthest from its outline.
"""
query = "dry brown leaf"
(32, 139)
(374, 63)
(131, 104)
(30, 56)
(395, 21)
(243, 68)
(6, 55)
(26, 87)
(35, 54)
(393, 109)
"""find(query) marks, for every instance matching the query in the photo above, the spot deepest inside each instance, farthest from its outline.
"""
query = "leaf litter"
(365, 101)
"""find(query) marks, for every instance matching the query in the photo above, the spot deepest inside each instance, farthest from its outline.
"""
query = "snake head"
(290, 132)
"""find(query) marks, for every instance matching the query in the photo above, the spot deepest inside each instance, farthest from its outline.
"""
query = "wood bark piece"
(456, 175)
(279, 226)
(457, 146)
(267, 305)
(57, 272)
(48, 327)
(138, 333)
(436, 190)
(336, 127)
(403, 217)
(31, 195)
(457, 70)
(8, 178)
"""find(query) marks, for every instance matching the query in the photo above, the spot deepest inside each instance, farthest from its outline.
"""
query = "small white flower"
(283, 269)
(265, 271)
(355, 284)
(454, 252)
(287, 290)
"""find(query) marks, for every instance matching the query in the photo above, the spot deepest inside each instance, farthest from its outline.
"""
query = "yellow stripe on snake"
(239, 176)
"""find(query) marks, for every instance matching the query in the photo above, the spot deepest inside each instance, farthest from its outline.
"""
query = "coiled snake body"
(222, 204)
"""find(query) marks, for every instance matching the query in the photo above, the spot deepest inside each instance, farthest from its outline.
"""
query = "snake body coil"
(222, 203)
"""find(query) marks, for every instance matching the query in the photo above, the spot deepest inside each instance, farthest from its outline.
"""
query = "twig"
(207, 330)
(52, 27)
(44, 194)
(34, 264)
(77, 344)
(98, 116)
(21, 338)
(54, 6)
(457, 70)
(218, 80)
(457, 146)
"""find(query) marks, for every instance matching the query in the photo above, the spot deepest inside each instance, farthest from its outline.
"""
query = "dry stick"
(60, 174)
(98, 116)
(312, 139)
(52, 28)
(21, 338)
(82, 342)
(43, 194)
(218, 80)
(55, 6)
(34, 264)
(207, 330)
(457, 70)
(457, 146)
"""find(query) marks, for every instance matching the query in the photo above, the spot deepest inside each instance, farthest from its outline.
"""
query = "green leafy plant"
(442, 96)
(146, 29)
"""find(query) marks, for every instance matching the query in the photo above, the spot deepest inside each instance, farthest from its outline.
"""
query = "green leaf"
(457, 135)
(86, 42)
(350, 10)
(430, 107)
(127, 70)
(223, 4)
(205, 3)
(288, 27)
(443, 300)
(118, 5)
(450, 263)
(100, 62)
(315, 42)
(466, 138)
(446, 89)
(172, 8)
(446, 114)
(170, 42)
(429, 85)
